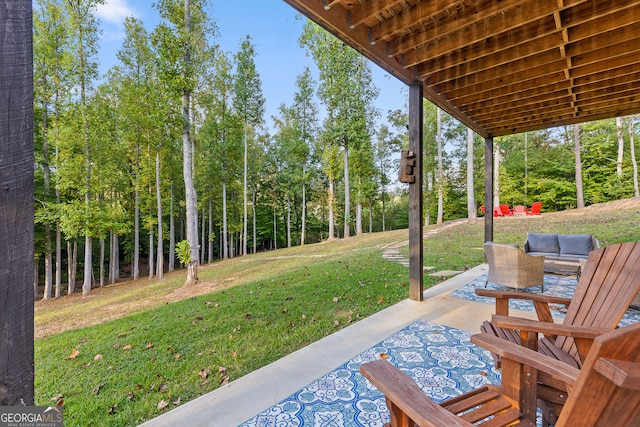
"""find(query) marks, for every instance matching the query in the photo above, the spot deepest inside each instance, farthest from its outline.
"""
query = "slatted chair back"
(609, 282)
(607, 391)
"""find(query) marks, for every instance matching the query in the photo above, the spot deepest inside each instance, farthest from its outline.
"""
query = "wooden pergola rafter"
(501, 67)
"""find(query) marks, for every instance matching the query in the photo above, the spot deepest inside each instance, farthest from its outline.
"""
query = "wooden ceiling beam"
(554, 90)
(531, 36)
(459, 87)
(482, 94)
(495, 52)
(498, 106)
(414, 16)
(366, 10)
(460, 22)
(432, 42)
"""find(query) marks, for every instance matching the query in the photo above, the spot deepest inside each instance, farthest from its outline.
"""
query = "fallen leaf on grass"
(127, 347)
(74, 354)
(59, 399)
(97, 357)
(335, 299)
(162, 404)
(204, 373)
(150, 345)
(177, 356)
(176, 402)
(112, 409)
(97, 388)
(224, 378)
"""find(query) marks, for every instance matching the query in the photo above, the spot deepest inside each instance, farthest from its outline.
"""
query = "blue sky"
(274, 30)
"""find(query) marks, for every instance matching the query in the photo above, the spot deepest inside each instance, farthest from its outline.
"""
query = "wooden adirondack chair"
(606, 392)
(608, 284)
(506, 210)
(535, 208)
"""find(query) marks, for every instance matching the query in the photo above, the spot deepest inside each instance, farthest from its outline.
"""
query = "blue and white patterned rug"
(441, 360)
(562, 286)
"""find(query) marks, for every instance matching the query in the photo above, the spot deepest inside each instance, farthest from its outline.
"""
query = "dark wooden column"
(416, 285)
(16, 203)
(488, 189)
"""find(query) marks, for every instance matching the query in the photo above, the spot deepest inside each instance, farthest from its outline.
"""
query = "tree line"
(168, 153)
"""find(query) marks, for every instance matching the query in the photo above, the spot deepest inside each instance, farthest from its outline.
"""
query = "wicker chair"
(510, 266)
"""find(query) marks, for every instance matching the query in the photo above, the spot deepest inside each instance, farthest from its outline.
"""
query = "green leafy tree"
(249, 104)
(347, 93)
(181, 41)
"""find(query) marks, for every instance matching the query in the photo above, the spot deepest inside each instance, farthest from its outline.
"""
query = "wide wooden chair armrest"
(508, 350)
(405, 399)
(494, 293)
(522, 324)
(540, 302)
(622, 373)
(583, 336)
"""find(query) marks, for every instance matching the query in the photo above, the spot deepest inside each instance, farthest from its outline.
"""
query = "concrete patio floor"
(245, 397)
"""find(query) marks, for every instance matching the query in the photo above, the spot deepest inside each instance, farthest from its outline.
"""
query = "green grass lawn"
(126, 371)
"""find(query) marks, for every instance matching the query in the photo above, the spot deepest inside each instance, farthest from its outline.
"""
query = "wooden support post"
(488, 189)
(16, 201)
(416, 285)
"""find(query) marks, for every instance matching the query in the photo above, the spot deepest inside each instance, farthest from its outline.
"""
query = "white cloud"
(114, 11)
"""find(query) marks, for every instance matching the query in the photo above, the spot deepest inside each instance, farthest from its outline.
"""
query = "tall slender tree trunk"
(578, 160)
(225, 229)
(439, 219)
(288, 221)
(254, 219)
(160, 252)
(347, 193)
(58, 259)
(359, 218)
(101, 261)
(48, 256)
(203, 247)
(472, 213)
(16, 201)
(244, 195)
(172, 234)
(632, 152)
(496, 179)
(136, 236)
(275, 229)
(36, 277)
(331, 196)
(187, 169)
(151, 260)
(303, 237)
(210, 239)
(72, 254)
(620, 146)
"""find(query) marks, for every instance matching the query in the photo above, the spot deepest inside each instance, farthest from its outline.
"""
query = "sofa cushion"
(575, 244)
(543, 243)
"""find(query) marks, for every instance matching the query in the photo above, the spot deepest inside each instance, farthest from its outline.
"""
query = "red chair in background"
(535, 208)
(505, 210)
(519, 211)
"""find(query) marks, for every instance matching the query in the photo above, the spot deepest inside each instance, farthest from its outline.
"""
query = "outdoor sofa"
(563, 253)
